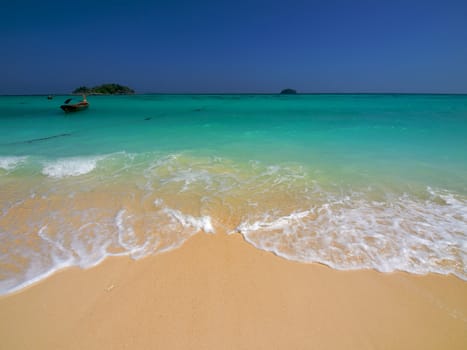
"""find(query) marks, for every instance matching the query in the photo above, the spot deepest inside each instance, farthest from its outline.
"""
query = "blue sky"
(235, 46)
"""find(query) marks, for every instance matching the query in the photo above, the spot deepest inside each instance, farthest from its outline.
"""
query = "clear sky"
(234, 46)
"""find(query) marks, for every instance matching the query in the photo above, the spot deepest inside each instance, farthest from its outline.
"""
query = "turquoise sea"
(350, 181)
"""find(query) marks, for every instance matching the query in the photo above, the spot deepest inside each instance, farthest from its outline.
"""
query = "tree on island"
(288, 92)
(82, 90)
(105, 89)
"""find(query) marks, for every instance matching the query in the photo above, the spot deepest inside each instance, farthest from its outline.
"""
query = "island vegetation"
(288, 92)
(105, 89)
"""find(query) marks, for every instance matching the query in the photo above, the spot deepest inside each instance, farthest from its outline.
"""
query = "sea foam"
(352, 232)
(202, 223)
(281, 209)
(10, 163)
(70, 166)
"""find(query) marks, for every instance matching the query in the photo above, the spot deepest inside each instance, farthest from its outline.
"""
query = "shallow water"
(351, 181)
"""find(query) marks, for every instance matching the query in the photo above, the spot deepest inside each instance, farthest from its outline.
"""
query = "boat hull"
(75, 108)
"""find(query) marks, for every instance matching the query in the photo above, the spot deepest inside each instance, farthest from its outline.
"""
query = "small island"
(105, 89)
(288, 92)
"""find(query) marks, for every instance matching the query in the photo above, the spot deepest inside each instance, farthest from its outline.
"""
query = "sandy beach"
(218, 292)
(215, 175)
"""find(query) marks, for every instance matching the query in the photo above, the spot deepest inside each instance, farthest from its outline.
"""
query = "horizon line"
(245, 93)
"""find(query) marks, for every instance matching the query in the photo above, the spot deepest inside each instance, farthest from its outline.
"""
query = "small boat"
(80, 106)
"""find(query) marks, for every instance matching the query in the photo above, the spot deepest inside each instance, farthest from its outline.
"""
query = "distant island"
(288, 92)
(105, 89)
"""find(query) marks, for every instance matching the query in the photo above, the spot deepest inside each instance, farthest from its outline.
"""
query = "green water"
(352, 181)
(405, 137)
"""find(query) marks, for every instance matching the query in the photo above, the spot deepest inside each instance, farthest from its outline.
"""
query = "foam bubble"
(353, 232)
(127, 237)
(283, 209)
(37, 260)
(32, 276)
(202, 223)
(70, 167)
(10, 163)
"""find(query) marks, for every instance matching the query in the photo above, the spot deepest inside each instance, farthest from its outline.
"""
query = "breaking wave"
(70, 166)
(143, 204)
(10, 163)
(352, 232)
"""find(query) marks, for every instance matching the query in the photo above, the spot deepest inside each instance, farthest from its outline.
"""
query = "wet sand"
(218, 292)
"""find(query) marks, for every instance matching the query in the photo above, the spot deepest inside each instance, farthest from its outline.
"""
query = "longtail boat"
(75, 107)
(82, 105)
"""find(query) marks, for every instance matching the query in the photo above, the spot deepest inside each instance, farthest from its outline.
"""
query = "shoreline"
(110, 259)
(218, 291)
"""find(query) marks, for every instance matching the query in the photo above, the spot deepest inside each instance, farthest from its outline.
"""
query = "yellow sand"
(218, 292)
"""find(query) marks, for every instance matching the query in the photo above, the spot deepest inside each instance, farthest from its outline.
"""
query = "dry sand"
(218, 292)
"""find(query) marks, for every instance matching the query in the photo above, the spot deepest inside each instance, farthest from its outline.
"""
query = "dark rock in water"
(288, 92)
(197, 110)
(148, 118)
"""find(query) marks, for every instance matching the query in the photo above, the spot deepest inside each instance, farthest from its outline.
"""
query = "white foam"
(158, 202)
(351, 232)
(127, 237)
(277, 208)
(38, 268)
(70, 166)
(267, 223)
(32, 276)
(168, 229)
(10, 163)
(202, 223)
